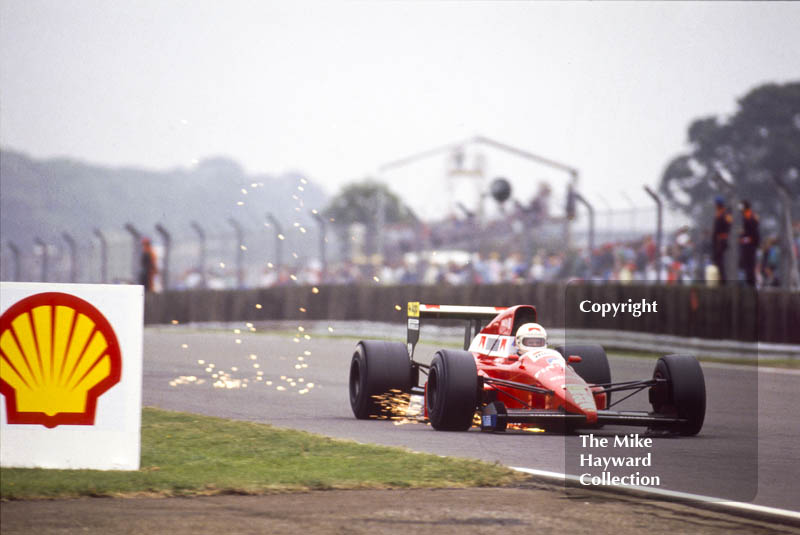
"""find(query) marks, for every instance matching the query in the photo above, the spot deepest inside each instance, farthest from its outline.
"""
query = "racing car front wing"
(496, 417)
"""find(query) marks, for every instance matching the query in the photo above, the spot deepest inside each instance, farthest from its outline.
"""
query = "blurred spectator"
(719, 236)
(626, 274)
(605, 262)
(147, 266)
(749, 240)
(493, 254)
(641, 261)
(770, 264)
(536, 271)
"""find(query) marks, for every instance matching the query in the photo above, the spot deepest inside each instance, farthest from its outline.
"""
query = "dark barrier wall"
(729, 313)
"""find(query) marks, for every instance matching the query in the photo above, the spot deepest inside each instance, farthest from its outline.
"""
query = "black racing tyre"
(376, 368)
(451, 395)
(683, 395)
(593, 367)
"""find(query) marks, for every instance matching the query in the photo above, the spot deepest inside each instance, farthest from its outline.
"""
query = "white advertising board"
(70, 375)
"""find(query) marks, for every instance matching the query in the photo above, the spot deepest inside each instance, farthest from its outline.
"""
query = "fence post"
(380, 224)
(73, 254)
(40, 243)
(15, 252)
(322, 239)
(202, 260)
(278, 239)
(167, 239)
(659, 229)
(580, 198)
(789, 274)
(237, 227)
(137, 240)
(103, 255)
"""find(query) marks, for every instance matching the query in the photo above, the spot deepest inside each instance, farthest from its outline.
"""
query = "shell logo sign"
(71, 375)
(58, 355)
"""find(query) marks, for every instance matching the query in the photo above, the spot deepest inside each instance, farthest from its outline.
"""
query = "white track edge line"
(670, 493)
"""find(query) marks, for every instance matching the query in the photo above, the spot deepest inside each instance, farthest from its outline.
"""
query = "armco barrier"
(727, 313)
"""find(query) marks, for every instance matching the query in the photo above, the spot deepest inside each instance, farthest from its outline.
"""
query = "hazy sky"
(336, 89)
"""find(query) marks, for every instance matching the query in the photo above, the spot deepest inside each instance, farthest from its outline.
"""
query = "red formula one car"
(508, 375)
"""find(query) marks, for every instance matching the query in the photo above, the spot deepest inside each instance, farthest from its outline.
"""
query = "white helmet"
(531, 336)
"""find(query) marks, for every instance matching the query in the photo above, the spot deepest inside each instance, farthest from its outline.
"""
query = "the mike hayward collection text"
(632, 440)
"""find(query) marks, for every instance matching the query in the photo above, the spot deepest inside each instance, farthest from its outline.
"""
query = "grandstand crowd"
(683, 260)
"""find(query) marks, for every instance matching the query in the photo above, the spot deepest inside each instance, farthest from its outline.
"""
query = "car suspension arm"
(630, 385)
(492, 381)
(515, 398)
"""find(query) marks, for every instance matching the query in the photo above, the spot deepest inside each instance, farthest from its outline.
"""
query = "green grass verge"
(188, 454)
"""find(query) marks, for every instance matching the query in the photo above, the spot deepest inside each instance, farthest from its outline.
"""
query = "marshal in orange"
(58, 355)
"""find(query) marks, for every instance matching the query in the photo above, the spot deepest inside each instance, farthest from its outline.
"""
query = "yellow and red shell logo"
(58, 354)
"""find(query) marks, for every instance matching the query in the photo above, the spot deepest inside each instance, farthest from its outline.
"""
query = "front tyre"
(682, 395)
(451, 395)
(376, 368)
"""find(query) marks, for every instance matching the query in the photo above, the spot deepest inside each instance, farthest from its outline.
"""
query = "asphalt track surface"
(747, 451)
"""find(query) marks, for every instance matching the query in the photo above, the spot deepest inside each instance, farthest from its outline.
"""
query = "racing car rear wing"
(456, 312)
(475, 317)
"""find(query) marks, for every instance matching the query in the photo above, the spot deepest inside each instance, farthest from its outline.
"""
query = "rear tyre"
(376, 368)
(593, 367)
(683, 395)
(451, 395)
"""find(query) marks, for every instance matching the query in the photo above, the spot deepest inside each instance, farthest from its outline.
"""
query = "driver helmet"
(531, 336)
